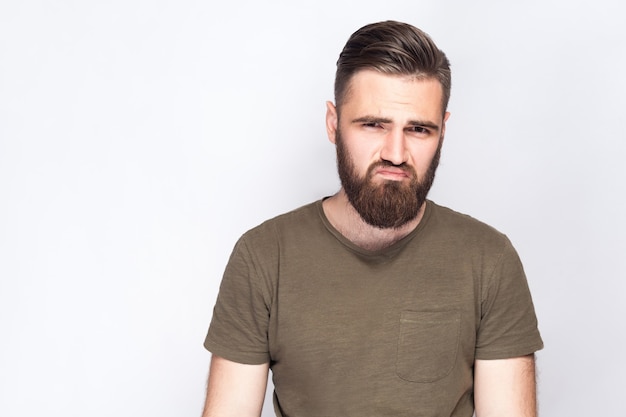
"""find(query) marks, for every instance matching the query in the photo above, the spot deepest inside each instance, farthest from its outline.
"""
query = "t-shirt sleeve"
(508, 324)
(238, 329)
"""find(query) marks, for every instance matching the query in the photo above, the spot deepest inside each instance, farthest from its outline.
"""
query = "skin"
(235, 389)
(398, 119)
(505, 387)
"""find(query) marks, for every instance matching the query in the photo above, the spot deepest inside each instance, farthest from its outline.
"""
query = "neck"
(343, 216)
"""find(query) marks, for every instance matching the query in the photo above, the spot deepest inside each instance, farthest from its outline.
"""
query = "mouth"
(392, 173)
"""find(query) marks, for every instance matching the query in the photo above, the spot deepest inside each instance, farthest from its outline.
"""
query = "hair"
(393, 48)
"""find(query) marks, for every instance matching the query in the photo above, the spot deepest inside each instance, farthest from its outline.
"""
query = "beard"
(390, 204)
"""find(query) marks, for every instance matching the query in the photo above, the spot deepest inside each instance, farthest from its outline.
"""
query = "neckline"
(384, 253)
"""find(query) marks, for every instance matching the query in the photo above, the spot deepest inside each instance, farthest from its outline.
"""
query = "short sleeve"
(238, 329)
(508, 324)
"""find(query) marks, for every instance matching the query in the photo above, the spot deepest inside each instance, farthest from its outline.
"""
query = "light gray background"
(139, 139)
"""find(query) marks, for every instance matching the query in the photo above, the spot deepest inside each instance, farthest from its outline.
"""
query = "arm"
(505, 387)
(235, 389)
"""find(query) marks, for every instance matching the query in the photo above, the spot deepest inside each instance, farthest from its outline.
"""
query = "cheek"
(422, 155)
(362, 155)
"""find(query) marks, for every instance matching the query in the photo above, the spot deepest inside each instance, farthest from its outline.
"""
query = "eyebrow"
(376, 119)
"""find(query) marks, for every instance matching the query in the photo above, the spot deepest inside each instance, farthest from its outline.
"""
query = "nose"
(394, 148)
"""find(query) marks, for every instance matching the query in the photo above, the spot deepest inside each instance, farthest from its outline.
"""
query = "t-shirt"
(393, 332)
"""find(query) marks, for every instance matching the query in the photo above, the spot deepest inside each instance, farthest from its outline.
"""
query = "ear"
(443, 125)
(331, 121)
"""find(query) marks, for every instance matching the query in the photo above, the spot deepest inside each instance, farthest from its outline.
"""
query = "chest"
(346, 303)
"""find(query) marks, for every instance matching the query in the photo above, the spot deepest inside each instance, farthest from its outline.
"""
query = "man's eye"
(419, 129)
(371, 124)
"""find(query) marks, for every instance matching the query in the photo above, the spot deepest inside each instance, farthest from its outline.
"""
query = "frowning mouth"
(392, 173)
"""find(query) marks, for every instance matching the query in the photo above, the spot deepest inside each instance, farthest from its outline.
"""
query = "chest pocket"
(428, 344)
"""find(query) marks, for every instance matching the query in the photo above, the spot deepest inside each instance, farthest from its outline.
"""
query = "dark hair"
(393, 48)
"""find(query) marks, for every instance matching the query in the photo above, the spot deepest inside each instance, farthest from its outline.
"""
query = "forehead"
(374, 92)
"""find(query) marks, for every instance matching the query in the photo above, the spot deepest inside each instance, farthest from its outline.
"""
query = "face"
(388, 136)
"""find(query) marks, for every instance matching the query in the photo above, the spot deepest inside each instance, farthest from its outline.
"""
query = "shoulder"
(293, 223)
(446, 217)
(262, 247)
(459, 228)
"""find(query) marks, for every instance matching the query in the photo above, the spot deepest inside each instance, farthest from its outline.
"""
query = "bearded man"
(376, 301)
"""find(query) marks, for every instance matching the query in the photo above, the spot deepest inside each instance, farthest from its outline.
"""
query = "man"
(375, 301)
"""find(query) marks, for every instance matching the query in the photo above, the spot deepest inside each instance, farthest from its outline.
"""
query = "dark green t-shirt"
(351, 332)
